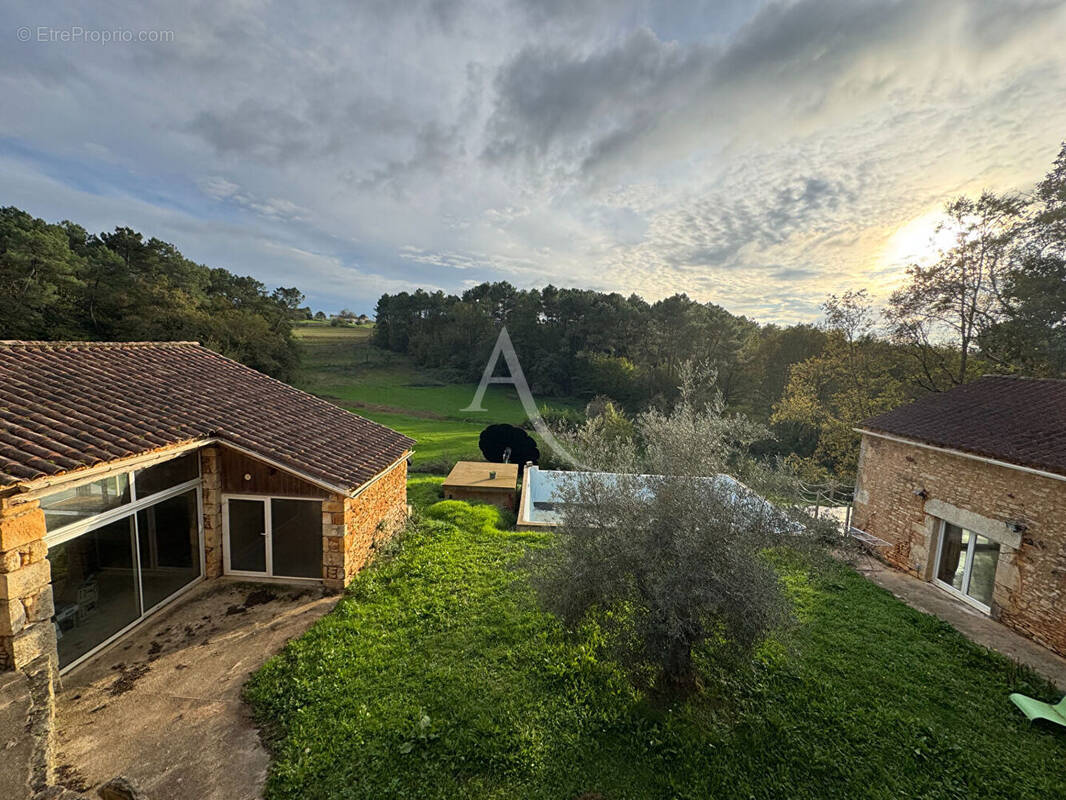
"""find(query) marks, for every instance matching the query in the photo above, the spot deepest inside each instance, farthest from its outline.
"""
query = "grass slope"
(341, 365)
(437, 676)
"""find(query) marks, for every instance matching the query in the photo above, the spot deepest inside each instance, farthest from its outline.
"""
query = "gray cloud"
(757, 155)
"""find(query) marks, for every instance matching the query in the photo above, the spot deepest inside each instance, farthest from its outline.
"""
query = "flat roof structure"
(475, 475)
(483, 482)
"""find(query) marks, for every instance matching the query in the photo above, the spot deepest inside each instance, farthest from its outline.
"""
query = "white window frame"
(66, 532)
(268, 538)
(131, 509)
(105, 519)
(76, 529)
(971, 548)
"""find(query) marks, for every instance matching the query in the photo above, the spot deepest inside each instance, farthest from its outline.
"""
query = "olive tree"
(666, 552)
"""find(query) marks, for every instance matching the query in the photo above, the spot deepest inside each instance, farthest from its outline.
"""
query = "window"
(74, 505)
(168, 537)
(119, 547)
(966, 563)
(273, 536)
(94, 584)
(296, 538)
(170, 473)
(82, 503)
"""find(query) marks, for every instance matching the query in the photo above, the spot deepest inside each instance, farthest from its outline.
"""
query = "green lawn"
(341, 365)
(437, 676)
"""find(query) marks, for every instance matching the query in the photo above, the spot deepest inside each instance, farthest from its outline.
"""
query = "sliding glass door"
(168, 536)
(246, 531)
(94, 587)
(273, 537)
(120, 547)
(966, 564)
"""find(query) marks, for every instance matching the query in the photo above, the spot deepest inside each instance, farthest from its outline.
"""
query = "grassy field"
(437, 676)
(341, 365)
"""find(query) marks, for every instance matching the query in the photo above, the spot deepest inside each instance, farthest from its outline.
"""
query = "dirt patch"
(67, 776)
(178, 726)
(258, 597)
(127, 678)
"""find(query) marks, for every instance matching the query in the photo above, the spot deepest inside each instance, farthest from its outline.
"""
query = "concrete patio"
(162, 706)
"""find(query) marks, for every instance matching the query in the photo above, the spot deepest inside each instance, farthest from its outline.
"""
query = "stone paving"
(162, 706)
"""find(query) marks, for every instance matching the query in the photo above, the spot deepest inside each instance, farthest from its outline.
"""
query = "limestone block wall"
(1030, 583)
(26, 607)
(353, 527)
(211, 476)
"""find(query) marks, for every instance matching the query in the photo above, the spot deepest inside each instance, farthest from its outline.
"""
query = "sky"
(755, 155)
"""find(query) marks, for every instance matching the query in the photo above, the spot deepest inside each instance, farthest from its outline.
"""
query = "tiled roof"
(1018, 420)
(70, 405)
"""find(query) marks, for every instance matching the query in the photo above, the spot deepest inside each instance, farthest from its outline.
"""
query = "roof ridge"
(64, 344)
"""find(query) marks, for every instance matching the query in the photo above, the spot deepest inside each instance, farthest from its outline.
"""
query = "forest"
(994, 301)
(59, 282)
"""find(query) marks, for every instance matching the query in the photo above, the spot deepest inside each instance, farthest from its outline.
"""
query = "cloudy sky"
(757, 155)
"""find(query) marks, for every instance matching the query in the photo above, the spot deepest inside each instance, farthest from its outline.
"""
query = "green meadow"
(341, 365)
(439, 676)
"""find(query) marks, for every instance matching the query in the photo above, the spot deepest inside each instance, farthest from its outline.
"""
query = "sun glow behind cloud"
(920, 241)
(757, 155)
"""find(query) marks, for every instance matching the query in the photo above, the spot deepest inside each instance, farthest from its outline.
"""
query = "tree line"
(58, 281)
(994, 300)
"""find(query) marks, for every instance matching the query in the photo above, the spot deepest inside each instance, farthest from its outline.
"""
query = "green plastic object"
(1034, 709)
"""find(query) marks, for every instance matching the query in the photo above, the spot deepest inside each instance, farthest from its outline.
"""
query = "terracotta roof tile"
(70, 405)
(1018, 420)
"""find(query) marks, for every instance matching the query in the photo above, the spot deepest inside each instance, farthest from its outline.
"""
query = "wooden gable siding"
(264, 478)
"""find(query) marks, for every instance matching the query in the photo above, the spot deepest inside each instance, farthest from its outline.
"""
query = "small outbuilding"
(967, 489)
(129, 472)
(483, 482)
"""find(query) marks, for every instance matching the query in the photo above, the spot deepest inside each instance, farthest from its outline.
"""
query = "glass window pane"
(296, 533)
(953, 555)
(95, 587)
(168, 534)
(247, 535)
(983, 570)
(169, 473)
(72, 505)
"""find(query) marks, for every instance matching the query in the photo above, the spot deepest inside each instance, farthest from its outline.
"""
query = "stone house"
(129, 472)
(967, 489)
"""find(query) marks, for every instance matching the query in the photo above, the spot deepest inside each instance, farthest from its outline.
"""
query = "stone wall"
(27, 640)
(353, 527)
(211, 476)
(26, 608)
(1030, 581)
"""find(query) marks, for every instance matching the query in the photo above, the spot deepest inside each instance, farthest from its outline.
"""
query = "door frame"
(971, 548)
(268, 539)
